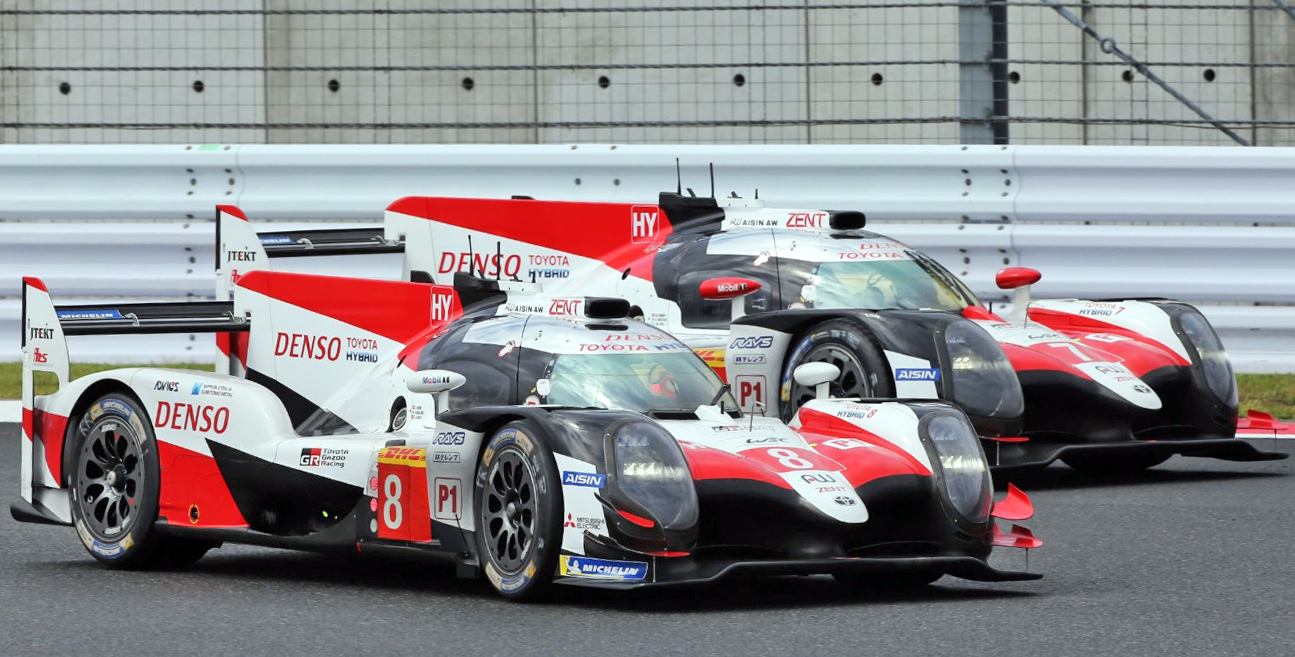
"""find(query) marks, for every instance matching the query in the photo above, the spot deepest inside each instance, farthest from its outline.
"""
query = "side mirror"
(735, 287)
(1019, 279)
(1011, 278)
(437, 382)
(819, 375)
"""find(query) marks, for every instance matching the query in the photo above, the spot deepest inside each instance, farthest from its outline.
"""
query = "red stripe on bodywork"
(882, 459)
(191, 479)
(393, 309)
(599, 231)
(51, 428)
(27, 428)
(708, 463)
(1140, 353)
(35, 282)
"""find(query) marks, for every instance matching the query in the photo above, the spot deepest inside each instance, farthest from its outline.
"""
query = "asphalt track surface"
(1192, 558)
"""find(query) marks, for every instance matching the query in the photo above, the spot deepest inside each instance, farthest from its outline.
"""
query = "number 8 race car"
(1102, 385)
(531, 438)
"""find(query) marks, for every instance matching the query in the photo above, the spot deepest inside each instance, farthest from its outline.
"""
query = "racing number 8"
(392, 513)
(789, 459)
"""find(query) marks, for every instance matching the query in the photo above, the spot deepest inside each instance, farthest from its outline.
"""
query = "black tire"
(112, 474)
(111, 461)
(896, 582)
(517, 501)
(1107, 464)
(845, 344)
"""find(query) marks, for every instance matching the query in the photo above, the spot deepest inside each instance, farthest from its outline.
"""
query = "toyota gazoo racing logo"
(752, 342)
(312, 457)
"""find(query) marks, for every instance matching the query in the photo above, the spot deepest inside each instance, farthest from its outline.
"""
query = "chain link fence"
(556, 71)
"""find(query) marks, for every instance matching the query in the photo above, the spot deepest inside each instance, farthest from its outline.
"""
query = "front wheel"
(846, 345)
(517, 501)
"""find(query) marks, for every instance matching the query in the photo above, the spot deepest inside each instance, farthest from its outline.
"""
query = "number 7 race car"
(1104, 385)
(530, 438)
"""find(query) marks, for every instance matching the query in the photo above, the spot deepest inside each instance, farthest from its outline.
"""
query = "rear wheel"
(517, 500)
(1114, 465)
(844, 344)
(114, 481)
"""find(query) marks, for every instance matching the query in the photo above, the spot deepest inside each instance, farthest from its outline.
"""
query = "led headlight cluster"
(960, 463)
(1214, 360)
(984, 382)
(651, 473)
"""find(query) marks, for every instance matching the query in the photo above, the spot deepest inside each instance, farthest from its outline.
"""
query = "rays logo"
(752, 342)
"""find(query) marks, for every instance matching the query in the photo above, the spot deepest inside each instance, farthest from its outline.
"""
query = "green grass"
(1270, 393)
(11, 376)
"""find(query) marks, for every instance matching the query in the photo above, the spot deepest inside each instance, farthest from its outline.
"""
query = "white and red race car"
(532, 438)
(1107, 385)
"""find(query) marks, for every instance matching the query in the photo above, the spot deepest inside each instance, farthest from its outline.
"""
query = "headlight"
(1214, 360)
(960, 463)
(984, 383)
(652, 474)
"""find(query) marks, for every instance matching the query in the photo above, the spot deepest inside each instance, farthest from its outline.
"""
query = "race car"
(532, 438)
(1104, 385)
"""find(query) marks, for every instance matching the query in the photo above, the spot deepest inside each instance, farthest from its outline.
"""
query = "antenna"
(499, 258)
(757, 193)
(471, 260)
(678, 177)
(712, 180)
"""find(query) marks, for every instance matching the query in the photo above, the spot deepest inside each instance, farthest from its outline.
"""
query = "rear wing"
(45, 328)
(240, 249)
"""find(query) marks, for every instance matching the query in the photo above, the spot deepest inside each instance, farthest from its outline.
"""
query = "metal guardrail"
(134, 221)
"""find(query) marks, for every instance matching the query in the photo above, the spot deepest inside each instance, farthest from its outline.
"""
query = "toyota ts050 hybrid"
(532, 438)
(1104, 385)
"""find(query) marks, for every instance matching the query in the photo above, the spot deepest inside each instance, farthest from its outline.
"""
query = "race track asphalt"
(1192, 558)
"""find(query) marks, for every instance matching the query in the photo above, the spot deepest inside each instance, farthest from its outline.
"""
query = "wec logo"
(752, 342)
(643, 223)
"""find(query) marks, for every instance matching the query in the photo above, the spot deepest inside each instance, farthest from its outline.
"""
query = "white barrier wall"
(135, 221)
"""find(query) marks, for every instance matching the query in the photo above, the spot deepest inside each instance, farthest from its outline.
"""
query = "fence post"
(982, 88)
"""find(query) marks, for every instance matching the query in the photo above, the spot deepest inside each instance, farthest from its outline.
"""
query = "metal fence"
(1202, 72)
(1210, 226)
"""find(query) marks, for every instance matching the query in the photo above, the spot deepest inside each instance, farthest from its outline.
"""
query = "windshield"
(880, 285)
(636, 382)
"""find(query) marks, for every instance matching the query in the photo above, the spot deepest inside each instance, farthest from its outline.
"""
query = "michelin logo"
(917, 374)
(603, 568)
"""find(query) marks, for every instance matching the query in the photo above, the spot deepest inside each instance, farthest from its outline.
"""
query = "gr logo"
(643, 223)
